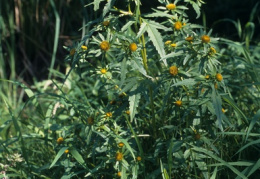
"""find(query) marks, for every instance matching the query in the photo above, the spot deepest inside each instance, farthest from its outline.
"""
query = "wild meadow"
(129, 89)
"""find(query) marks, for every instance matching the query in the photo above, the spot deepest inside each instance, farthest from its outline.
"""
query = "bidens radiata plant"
(155, 108)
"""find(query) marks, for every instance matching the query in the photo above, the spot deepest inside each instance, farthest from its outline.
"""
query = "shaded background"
(27, 30)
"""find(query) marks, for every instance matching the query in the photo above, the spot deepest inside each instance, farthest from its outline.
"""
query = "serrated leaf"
(133, 103)
(127, 25)
(173, 54)
(136, 63)
(107, 7)
(142, 30)
(123, 72)
(187, 82)
(157, 41)
(157, 25)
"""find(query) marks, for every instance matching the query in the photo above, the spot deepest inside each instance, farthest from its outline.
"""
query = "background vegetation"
(37, 104)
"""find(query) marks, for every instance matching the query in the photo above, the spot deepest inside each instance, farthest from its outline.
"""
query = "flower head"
(170, 6)
(138, 158)
(119, 156)
(178, 103)
(119, 174)
(90, 120)
(168, 42)
(133, 47)
(103, 71)
(178, 25)
(173, 70)
(72, 51)
(60, 140)
(212, 51)
(173, 45)
(219, 77)
(66, 151)
(205, 39)
(120, 144)
(189, 39)
(109, 114)
(84, 48)
(104, 45)
(106, 23)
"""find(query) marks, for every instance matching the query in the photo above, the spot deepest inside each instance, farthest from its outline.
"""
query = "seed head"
(72, 51)
(121, 144)
(138, 158)
(189, 39)
(106, 23)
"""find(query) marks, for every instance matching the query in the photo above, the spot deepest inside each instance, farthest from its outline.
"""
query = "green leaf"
(96, 4)
(216, 101)
(142, 30)
(213, 176)
(235, 107)
(123, 72)
(59, 154)
(133, 103)
(127, 25)
(77, 156)
(187, 82)
(255, 167)
(107, 7)
(209, 153)
(252, 123)
(157, 41)
(196, 8)
(247, 145)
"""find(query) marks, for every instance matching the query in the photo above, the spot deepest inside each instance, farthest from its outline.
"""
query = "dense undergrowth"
(144, 95)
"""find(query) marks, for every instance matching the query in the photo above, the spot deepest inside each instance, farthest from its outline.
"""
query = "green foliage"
(173, 107)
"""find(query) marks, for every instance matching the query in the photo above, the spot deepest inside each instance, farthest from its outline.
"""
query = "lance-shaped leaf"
(217, 103)
(133, 103)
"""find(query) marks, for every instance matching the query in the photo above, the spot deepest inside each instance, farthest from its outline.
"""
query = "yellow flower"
(184, 24)
(106, 23)
(103, 70)
(207, 77)
(212, 51)
(178, 103)
(223, 110)
(167, 42)
(72, 51)
(121, 144)
(104, 45)
(109, 114)
(219, 77)
(60, 140)
(83, 47)
(138, 158)
(133, 47)
(189, 39)
(66, 151)
(170, 6)
(205, 39)
(178, 25)
(119, 156)
(173, 45)
(127, 112)
(119, 174)
(90, 120)
(173, 70)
